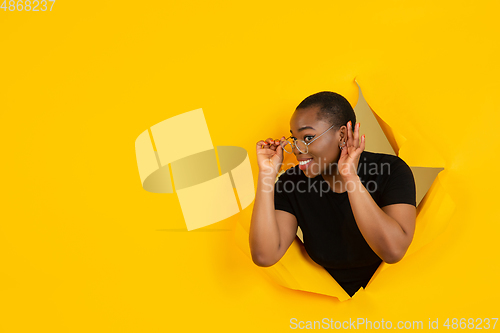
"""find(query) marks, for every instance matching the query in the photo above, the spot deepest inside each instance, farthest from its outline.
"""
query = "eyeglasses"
(301, 145)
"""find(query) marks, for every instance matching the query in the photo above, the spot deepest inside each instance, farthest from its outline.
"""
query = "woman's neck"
(334, 180)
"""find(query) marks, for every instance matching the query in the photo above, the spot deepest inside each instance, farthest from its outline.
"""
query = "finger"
(270, 142)
(262, 144)
(362, 146)
(279, 150)
(274, 143)
(349, 134)
(356, 135)
(286, 146)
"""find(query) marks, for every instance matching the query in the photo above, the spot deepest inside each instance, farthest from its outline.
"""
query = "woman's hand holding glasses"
(270, 155)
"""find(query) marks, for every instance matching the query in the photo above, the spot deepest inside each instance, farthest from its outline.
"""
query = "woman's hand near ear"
(349, 157)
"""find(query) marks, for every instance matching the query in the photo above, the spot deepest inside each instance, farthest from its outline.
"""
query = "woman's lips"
(303, 164)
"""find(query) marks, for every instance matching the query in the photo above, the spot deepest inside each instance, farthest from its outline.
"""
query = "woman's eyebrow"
(303, 128)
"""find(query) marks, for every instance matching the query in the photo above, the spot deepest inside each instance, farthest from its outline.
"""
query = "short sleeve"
(281, 200)
(400, 186)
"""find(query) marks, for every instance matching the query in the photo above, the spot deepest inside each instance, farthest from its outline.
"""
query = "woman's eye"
(308, 137)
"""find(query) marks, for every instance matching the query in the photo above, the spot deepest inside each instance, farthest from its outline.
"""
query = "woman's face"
(324, 152)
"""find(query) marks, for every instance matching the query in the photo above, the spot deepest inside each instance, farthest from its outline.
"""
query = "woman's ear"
(343, 132)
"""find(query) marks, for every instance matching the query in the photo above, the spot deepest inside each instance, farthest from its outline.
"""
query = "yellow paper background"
(85, 249)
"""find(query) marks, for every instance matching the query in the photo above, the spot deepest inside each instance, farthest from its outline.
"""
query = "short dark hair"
(335, 109)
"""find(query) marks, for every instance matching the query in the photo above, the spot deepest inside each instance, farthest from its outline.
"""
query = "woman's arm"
(264, 231)
(388, 230)
(271, 231)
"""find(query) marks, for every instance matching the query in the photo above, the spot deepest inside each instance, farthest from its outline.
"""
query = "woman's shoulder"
(381, 164)
(379, 158)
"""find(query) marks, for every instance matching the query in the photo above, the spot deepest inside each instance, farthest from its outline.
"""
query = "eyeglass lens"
(300, 146)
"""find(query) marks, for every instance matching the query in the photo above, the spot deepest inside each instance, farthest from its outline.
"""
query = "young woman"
(355, 208)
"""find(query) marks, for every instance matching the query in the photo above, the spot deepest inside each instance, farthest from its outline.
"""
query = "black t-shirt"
(330, 233)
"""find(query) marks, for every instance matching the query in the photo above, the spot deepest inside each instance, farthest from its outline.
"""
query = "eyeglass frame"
(307, 144)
